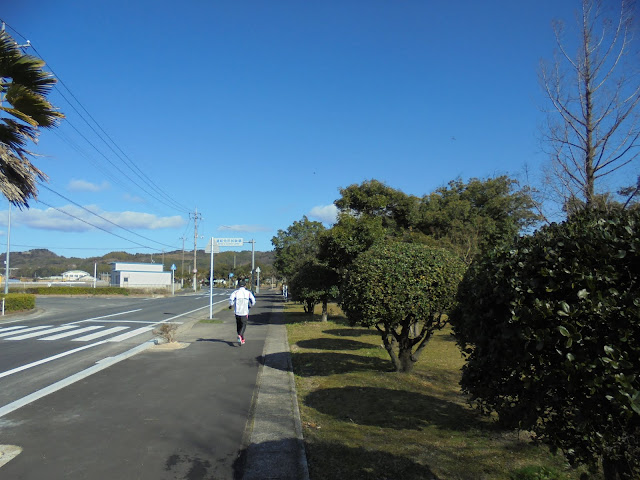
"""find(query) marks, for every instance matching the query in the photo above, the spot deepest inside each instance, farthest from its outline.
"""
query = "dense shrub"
(15, 302)
(550, 328)
(404, 291)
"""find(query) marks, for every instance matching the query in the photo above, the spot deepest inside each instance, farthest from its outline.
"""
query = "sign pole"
(211, 284)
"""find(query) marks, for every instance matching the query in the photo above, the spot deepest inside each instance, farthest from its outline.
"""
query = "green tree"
(296, 245)
(550, 328)
(470, 217)
(24, 86)
(314, 283)
(372, 198)
(341, 245)
(404, 291)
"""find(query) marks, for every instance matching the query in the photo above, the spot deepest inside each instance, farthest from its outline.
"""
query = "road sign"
(229, 242)
(173, 267)
(212, 246)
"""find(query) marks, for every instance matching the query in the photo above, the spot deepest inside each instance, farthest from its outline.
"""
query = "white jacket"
(242, 299)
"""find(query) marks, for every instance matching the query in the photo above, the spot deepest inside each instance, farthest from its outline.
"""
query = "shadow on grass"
(350, 332)
(329, 461)
(326, 461)
(395, 409)
(333, 344)
(322, 364)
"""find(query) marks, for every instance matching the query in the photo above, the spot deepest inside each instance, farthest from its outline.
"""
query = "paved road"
(161, 414)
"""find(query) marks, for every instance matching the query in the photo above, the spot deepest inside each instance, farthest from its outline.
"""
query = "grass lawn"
(361, 420)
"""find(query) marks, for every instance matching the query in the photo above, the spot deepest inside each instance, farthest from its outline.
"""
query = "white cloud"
(84, 186)
(325, 213)
(243, 228)
(52, 219)
(132, 198)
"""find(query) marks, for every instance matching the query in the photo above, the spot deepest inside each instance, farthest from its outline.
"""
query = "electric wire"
(96, 226)
(130, 164)
(105, 219)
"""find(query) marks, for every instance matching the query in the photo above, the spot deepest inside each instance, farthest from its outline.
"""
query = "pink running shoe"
(242, 340)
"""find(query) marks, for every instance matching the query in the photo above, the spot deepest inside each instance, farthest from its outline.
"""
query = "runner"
(242, 299)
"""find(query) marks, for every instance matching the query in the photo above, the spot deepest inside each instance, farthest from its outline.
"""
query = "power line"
(105, 219)
(168, 200)
(96, 226)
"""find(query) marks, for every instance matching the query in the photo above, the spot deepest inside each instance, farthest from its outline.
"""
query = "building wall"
(137, 279)
(137, 267)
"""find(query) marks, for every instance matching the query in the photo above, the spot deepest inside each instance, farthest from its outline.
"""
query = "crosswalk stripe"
(6, 329)
(41, 332)
(102, 333)
(72, 332)
(30, 329)
(130, 334)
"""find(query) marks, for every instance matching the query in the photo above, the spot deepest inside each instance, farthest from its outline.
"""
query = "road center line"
(104, 316)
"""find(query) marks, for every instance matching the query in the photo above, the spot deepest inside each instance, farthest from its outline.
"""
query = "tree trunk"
(406, 360)
(325, 315)
(387, 340)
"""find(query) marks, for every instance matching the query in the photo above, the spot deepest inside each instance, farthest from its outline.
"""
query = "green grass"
(214, 320)
(361, 420)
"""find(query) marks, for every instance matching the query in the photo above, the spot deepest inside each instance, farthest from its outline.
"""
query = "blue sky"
(257, 112)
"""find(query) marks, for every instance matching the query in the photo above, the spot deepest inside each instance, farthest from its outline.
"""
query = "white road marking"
(107, 362)
(72, 332)
(6, 329)
(99, 334)
(105, 316)
(41, 332)
(30, 329)
(130, 334)
(49, 359)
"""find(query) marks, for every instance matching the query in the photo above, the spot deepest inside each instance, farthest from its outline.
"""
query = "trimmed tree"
(404, 291)
(550, 328)
(314, 283)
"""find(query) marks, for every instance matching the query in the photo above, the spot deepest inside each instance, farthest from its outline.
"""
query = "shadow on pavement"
(217, 340)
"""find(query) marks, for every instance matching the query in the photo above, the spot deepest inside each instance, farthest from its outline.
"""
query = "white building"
(76, 275)
(139, 275)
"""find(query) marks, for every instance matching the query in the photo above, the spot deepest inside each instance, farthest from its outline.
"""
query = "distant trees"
(550, 327)
(593, 128)
(296, 245)
(24, 86)
(474, 216)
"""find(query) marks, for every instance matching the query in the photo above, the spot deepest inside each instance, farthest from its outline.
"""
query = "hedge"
(14, 302)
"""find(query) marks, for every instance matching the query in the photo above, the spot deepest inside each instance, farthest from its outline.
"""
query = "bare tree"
(593, 129)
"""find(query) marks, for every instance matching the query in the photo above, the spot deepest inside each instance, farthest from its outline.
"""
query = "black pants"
(241, 324)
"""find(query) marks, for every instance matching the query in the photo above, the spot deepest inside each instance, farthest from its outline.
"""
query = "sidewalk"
(273, 446)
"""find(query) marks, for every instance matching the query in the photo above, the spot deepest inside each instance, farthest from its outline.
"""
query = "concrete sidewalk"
(273, 446)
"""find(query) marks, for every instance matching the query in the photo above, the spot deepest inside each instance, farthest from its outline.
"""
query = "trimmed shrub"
(15, 302)
(550, 328)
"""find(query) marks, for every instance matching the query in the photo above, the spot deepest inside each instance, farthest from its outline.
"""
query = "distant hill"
(44, 263)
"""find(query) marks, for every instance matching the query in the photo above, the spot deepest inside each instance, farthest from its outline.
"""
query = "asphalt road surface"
(83, 396)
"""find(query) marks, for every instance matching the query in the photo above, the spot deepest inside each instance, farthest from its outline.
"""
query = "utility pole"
(196, 217)
(253, 244)
(183, 239)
